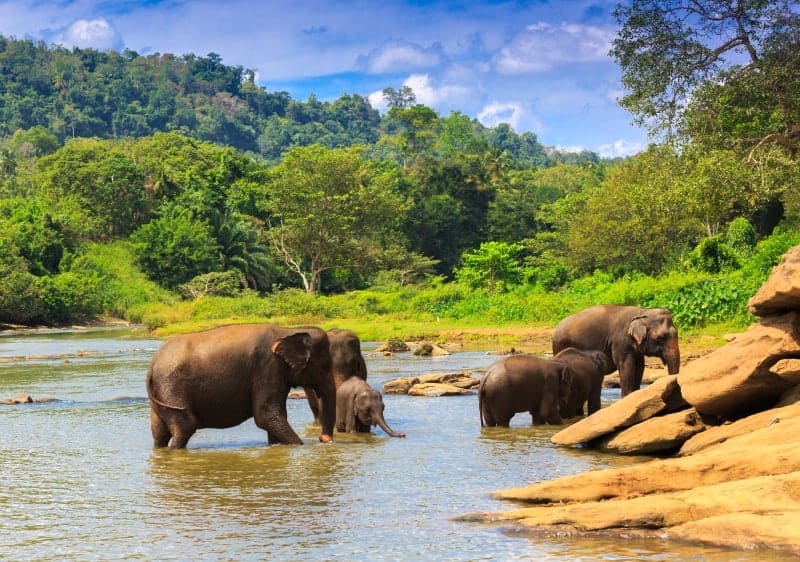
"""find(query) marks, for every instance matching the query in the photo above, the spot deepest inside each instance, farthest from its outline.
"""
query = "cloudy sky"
(539, 65)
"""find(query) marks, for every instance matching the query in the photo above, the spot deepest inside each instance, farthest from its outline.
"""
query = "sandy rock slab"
(662, 396)
(724, 514)
(747, 476)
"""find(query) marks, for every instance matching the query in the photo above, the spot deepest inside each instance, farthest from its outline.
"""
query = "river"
(79, 479)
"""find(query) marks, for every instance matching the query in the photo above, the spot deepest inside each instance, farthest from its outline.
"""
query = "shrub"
(712, 255)
(741, 236)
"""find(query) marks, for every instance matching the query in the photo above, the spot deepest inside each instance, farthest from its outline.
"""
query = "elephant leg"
(492, 419)
(630, 374)
(276, 424)
(313, 403)
(161, 433)
(182, 426)
(594, 400)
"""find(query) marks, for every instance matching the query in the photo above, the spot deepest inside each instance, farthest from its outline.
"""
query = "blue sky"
(539, 65)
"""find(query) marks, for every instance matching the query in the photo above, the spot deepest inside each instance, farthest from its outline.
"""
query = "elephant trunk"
(327, 397)
(378, 418)
(672, 356)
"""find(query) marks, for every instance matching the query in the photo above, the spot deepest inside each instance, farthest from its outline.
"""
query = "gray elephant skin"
(222, 377)
(626, 334)
(524, 383)
(588, 371)
(359, 407)
(346, 361)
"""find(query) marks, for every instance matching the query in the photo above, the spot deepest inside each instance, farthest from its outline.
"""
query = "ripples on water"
(79, 479)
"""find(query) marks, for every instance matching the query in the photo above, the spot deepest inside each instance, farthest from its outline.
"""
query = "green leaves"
(723, 72)
(331, 209)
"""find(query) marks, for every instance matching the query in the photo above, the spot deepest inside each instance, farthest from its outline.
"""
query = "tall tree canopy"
(733, 66)
(331, 209)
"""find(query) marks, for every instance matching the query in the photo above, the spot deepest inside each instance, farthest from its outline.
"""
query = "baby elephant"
(524, 383)
(359, 407)
(588, 371)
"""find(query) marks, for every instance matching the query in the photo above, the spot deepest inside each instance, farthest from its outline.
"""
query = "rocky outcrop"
(433, 384)
(730, 422)
(781, 292)
(750, 373)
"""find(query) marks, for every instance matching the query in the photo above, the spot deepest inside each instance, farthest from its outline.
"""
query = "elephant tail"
(152, 398)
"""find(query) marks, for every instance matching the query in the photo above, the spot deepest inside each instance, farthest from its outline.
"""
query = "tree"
(175, 247)
(493, 265)
(449, 211)
(404, 97)
(716, 187)
(329, 209)
(413, 132)
(635, 220)
(671, 50)
(101, 177)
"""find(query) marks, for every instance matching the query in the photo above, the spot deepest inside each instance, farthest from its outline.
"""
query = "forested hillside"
(88, 93)
(130, 180)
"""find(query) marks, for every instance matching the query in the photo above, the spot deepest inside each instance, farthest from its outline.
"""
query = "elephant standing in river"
(626, 334)
(588, 371)
(359, 407)
(524, 383)
(346, 362)
(221, 377)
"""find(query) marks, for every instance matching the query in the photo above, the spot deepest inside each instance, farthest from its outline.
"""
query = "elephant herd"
(222, 377)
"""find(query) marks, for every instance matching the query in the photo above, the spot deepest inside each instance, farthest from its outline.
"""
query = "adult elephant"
(626, 334)
(524, 383)
(588, 370)
(359, 407)
(221, 377)
(346, 362)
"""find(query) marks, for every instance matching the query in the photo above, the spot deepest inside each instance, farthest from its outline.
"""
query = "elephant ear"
(638, 329)
(295, 350)
(565, 380)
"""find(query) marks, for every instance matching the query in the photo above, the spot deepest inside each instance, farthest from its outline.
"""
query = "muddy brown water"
(79, 479)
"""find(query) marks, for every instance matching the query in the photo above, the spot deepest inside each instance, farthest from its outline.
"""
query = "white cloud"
(429, 94)
(376, 101)
(399, 56)
(495, 113)
(426, 93)
(576, 148)
(95, 33)
(619, 148)
(542, 46)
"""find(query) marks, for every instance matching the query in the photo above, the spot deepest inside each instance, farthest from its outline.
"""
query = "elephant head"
(368, 408)
(655, 335)
(309, 362)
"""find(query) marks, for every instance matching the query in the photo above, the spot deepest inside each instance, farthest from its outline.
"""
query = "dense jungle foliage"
(162, 187)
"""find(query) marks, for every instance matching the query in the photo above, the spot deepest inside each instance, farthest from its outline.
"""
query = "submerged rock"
(432, 384)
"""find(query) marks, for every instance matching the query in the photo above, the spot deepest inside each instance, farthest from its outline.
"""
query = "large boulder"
(662, 396)
(781, 292)
(750, 373)
(660, 434)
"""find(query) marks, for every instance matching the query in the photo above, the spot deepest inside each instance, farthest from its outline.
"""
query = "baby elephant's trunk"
(378, 418)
